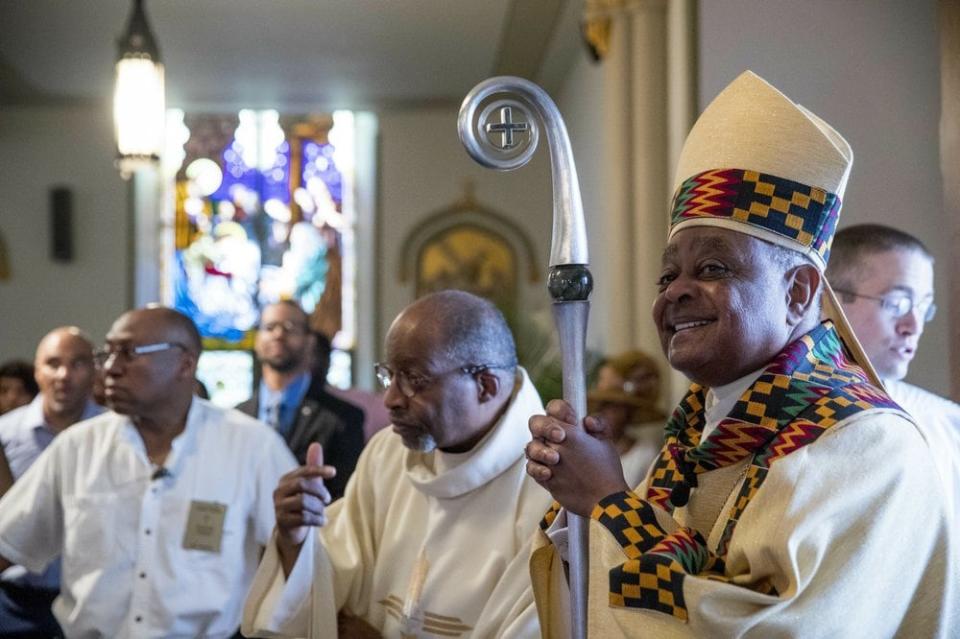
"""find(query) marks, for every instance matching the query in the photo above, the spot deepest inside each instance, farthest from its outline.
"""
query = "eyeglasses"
(410, 383)
(129, 352)
(900, 305)
(287, 326)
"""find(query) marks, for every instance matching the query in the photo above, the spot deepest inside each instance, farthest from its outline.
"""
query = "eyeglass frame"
(385, 376)
(289, 327)
(128, 353)
(887, 304)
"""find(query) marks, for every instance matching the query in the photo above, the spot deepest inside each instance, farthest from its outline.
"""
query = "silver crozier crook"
(498, 125)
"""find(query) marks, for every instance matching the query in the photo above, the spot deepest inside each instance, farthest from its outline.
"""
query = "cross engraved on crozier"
(506, 128)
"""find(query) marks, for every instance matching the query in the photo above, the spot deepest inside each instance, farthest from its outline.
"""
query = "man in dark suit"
(295, 401)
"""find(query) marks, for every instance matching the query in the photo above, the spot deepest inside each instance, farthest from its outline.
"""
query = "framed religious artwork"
(470, 247)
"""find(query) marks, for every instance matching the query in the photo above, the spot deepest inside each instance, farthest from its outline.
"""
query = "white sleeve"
(31, 513)
(278, 607)
(332, 569)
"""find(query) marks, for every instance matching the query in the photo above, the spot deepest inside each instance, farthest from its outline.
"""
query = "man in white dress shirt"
(158, 509)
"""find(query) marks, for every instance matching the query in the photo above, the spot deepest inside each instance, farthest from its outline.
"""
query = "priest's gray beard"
(425, 443)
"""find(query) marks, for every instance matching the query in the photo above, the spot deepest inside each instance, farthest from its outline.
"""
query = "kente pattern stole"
(808, 388)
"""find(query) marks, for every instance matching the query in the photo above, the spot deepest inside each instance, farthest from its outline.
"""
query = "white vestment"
(851, 531)
(939, 421)
(468, 516)
(924, 405)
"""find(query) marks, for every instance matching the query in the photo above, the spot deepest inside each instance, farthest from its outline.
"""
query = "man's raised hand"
(300, 502)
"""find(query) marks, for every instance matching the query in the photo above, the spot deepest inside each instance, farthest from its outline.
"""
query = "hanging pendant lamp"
(139, 105)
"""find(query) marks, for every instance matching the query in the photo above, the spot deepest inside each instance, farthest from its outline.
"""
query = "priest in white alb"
(432, 536)
(792, 497)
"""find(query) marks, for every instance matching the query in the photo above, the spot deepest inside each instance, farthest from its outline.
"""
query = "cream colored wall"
(871, 69)
(41, 148)
(423, 168)
(596, 148)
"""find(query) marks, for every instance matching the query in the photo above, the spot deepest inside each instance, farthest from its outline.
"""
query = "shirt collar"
(33, 414)
(92, 409)
(266, 398)
(296, 389)
(721, 400)
(181, 445)
(34, 419)
(291, 395)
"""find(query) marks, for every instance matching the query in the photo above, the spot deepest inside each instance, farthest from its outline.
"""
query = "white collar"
(721, 400)
(181, 445)
(444, 475)
(33, 417)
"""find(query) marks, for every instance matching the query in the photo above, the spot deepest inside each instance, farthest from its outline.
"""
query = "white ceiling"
(311, 54)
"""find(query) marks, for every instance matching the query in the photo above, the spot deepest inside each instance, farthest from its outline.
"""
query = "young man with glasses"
(884, 279)
(158, 509)
(295, 402)
(64, 373)
(432, 535)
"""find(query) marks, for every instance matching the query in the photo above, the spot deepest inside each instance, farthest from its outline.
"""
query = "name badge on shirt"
(205, 526)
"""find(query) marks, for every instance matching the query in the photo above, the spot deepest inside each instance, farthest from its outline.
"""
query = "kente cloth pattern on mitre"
(802, 393)
(750, 162)
(776, 208)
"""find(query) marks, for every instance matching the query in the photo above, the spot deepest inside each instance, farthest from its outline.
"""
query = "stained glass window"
(257, 214)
